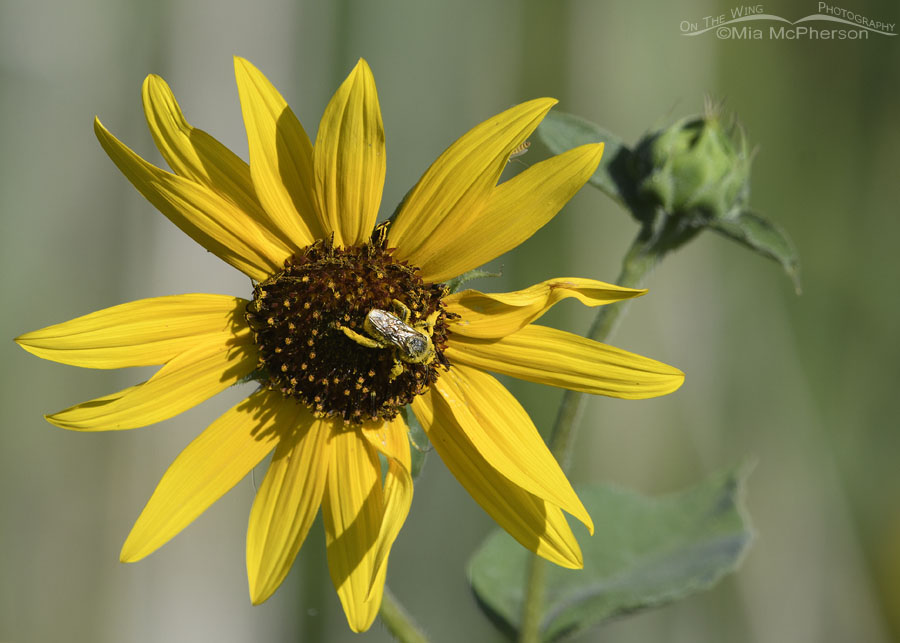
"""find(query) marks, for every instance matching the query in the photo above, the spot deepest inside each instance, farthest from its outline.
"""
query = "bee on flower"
(346, 324)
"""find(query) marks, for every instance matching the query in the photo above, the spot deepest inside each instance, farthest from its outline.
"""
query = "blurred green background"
(805, 385)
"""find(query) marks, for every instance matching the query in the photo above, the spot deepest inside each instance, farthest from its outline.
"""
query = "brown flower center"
(320, 342)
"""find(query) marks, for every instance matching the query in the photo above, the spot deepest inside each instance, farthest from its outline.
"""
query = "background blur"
(805, 385)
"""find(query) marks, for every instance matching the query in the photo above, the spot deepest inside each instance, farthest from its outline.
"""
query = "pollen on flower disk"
(297, 316)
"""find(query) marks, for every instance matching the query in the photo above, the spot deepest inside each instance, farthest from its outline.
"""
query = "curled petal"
(493, 315)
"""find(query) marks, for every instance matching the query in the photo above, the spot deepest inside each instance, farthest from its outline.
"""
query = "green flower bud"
(696, 168)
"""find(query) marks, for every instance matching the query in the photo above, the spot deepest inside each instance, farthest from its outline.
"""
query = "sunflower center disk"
(309, 321)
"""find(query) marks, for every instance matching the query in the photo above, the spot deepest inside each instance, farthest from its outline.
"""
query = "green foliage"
(646, 552)
(678, 181)
(763, 236)
(698, 167)
(560, 131)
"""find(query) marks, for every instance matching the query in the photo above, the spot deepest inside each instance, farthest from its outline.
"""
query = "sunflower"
(349, 324)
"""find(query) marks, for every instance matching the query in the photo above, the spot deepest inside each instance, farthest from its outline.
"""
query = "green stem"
(640, 260)
(637, 264)
(398, 621)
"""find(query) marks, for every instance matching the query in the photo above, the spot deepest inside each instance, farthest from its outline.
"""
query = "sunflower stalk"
(645, 253)
(398, 621)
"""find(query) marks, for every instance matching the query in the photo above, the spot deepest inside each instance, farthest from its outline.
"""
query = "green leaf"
(646, 552)
(560, 131)
(762, 236)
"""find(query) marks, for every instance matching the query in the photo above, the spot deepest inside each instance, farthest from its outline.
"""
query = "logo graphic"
(743, 23)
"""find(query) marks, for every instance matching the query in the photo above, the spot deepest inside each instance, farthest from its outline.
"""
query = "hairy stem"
(398, 621)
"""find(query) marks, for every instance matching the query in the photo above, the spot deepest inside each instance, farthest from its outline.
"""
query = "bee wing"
(383, 323)
(391, 329)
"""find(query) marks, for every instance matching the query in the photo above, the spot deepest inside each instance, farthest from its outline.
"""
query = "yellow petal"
(454, 190)
(210, 465)
(498, 427)
(349, 159)
(352, 508)
(213, 222)
(491, 315)
(192, 377)
(516, 210)
(195, 155)
(287, 503)
(280, 157)
(392, 441)
(535, 523)
(140, 333)
(550, 356)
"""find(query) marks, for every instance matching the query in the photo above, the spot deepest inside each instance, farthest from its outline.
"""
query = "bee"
(385, 330)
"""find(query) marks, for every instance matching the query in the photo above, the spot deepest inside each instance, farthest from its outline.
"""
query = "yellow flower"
(300, 222)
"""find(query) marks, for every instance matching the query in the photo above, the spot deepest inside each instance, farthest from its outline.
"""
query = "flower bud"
(696, 168)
